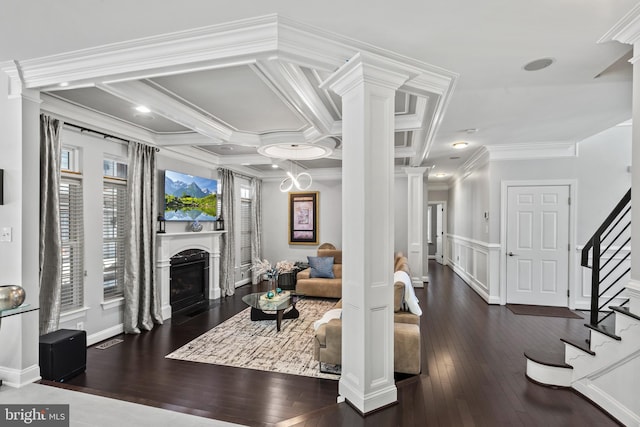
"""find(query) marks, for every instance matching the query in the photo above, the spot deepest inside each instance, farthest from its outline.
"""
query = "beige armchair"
(319, 286)
(406, 336)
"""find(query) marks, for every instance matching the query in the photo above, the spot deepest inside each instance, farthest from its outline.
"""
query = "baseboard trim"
(105, 334)
(18, 378)
(616, 411)
(471, 283)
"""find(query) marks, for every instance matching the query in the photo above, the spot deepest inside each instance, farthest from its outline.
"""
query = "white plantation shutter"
(245, 231)
(72, 234)
(113, 238)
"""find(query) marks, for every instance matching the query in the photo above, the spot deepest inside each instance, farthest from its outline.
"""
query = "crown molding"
(193, 155)
(81, 116)
(478, 159)
(291, 85)
(536, 150)
(168, 140)
(190, 50)
(162, 104)
(626, 30)
(437, 186)
(257, 42)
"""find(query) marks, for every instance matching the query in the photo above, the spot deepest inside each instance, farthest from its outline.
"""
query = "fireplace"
(170, 244)
(189, 279)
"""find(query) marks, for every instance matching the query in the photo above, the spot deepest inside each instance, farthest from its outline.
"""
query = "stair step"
(604, 329)
(548, 358)
(625, 310)
(579, 345)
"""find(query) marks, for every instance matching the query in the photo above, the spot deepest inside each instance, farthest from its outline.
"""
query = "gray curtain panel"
(228, 255)
(50, 235)
(142, 304)
(256, 224)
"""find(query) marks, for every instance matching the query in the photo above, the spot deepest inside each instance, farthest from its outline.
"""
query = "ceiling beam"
(292, 85)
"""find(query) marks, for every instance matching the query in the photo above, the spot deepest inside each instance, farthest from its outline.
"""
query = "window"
(115, 169)
(72, 234)
(113, 228)
(245, 225)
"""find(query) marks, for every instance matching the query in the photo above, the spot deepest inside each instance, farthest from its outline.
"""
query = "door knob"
(512, 254)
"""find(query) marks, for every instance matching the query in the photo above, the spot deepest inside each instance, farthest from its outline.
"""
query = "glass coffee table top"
(260, 306)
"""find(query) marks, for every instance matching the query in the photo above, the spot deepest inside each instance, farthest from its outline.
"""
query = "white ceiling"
(486, 43)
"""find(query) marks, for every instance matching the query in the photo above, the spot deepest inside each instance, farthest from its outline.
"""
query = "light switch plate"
(5, 234)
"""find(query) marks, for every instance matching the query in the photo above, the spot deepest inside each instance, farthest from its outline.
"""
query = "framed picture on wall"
(303, 218)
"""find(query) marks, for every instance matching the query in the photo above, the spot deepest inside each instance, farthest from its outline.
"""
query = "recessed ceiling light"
(245, 164)
(460, 145)
(274, 166)
(538, 64)
(142, 109)
(226, 148)
(454, 157)
(440, 175)
(64, 84)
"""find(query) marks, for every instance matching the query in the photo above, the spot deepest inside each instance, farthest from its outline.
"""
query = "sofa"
(322, 287)
(406, 327)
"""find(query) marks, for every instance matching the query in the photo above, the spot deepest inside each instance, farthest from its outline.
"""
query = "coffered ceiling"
(226, 97)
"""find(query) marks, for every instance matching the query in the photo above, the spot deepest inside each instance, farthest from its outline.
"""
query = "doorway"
(537, 236)
(437, 224)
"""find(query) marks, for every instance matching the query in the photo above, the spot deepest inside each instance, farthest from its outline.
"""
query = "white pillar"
(367, 85)
(634, 284)
(417, 225)
(20, 159)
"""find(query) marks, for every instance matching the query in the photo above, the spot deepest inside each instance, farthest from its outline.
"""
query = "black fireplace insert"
(189, 276)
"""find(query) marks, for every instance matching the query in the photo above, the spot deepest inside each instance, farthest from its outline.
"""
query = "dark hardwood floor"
(473, 372)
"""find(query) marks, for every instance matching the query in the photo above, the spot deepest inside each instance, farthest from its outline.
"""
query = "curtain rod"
(240, 174)
(104, 135)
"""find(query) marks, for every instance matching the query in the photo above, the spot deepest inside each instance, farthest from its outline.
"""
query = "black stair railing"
(614, 235)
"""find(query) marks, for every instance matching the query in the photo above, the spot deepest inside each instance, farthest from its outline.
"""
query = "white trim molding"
(477, 263)
(105, 334)
(537, 150)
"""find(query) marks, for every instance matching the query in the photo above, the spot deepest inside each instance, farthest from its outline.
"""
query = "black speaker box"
(63, 354)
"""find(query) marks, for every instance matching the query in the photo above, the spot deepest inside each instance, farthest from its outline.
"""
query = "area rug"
(541, 310)
(244, 343)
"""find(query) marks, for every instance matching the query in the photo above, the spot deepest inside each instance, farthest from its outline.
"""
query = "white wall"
(275, 245)
(468, 200)
(19, 157)
(275, 240)
(600, 170)
(603, 177)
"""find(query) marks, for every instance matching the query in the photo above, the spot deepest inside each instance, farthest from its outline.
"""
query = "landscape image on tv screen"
(189, 198)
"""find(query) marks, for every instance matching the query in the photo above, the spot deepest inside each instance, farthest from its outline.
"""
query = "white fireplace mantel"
(169, 244)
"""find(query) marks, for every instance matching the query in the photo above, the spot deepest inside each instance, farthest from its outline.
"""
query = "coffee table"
(262, 309)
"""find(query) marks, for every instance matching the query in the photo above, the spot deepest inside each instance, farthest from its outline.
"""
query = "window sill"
(77, 313)
(112, 303)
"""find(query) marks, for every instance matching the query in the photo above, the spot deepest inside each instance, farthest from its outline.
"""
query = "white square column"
(367, 85)
(417, 225)
(20, 159)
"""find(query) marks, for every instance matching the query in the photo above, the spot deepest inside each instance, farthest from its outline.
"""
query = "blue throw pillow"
(321, 267)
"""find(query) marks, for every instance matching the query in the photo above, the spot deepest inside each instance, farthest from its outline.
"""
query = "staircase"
(605, 368)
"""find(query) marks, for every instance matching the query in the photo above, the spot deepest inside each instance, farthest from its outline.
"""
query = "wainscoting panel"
(478, 264)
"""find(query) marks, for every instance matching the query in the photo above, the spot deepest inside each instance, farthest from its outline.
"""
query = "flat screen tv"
(189, 198)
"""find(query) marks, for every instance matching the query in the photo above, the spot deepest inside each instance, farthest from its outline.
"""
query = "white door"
(538, 245)
(439, 233)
